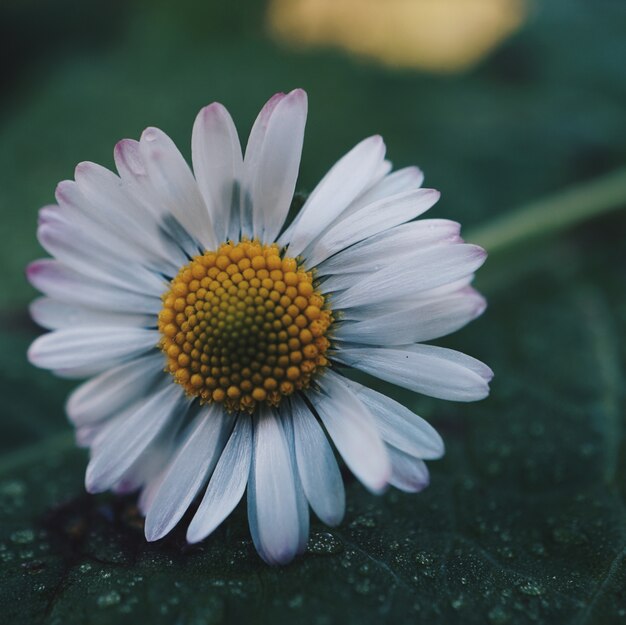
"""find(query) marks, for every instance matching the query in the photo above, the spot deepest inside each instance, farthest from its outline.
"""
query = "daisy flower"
(214, 336)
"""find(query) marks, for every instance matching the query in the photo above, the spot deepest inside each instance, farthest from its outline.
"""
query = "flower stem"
(553, 214)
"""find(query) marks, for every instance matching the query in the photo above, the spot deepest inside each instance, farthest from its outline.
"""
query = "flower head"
(215, 338)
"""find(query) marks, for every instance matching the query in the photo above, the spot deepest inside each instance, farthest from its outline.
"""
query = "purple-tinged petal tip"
(126, 155)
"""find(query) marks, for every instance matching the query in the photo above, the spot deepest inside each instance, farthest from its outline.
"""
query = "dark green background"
(524, 521)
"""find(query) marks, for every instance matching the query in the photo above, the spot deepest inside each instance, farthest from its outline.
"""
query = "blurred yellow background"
(435, 35)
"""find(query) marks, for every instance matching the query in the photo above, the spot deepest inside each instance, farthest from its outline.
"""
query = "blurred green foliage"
(524, 521)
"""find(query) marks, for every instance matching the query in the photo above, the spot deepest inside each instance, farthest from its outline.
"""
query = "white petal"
(80, 373)
(86, 253)
(76, 213)
(153, 466)
(126, 485)
(301, 501)
(341, 185)
(379, 175)
(424, 322)
(110, 392)
(272, 505)
(123, 441)
(369, 221)
(99, 347)
(149, 465)
(317, 466)
(272, 161)
(435, 371)
(54, 315)
(353, 430)
(303, 511)
(340, 282)
(119, 215)
(149, 492)
(425, 269)
(218, 166)
(408, 474)
(384, 186)
(255, 139)
(413, 300)
(131, 165)
(67, 285)
(400, 427)
(227, 483)
(188, 472)
(100, 194)
(174, 183)
(86, 434)
(407, 179)
(391, 246)
(252, 518)
(444, 289)
(383, 169)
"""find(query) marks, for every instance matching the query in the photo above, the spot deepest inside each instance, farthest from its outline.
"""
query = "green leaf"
(524, 521)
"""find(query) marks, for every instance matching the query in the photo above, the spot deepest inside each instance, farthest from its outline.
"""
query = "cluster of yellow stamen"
(243, 325)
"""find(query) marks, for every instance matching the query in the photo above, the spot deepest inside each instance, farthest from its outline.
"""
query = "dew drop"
(363, 521)
(507, 552)
(324, 543)
(363, 588)
(423, 558)
(538, 549)
(296, 602)
(109, 599)
(568, 536)
(13, 488)
(23, 537)
(468, 484)
(498, 616)
(531, 589)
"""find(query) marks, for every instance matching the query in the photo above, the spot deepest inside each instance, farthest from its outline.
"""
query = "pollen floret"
(244, 325)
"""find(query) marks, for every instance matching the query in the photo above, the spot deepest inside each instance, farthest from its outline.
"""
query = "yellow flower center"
(244, 325)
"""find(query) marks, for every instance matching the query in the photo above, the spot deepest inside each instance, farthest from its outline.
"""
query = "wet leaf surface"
(524, 521)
